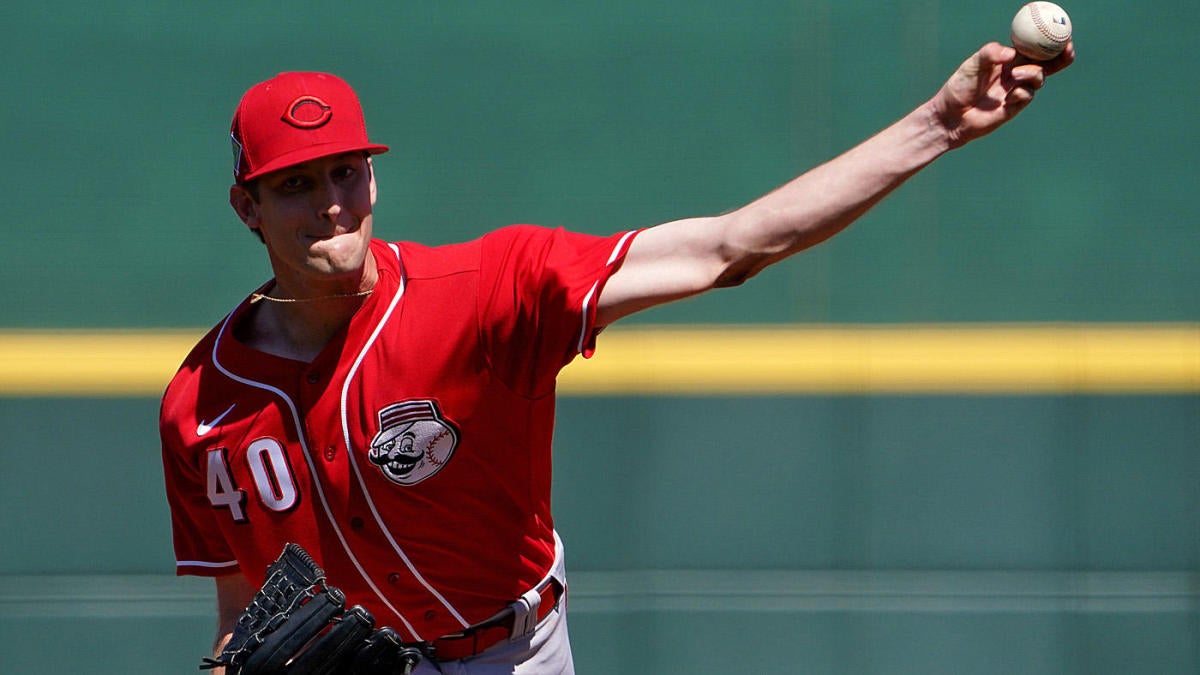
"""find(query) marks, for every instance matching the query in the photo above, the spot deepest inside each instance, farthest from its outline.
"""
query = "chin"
(351, 247)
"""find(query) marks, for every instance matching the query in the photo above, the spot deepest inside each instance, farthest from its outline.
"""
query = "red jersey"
(412, 456)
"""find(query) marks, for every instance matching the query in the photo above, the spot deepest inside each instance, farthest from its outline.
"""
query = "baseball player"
(389, 406)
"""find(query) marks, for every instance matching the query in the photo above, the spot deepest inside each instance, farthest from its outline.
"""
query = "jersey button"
(430, 615)
(393, 578)
(330, 453)
(313, 377)
(356, 524)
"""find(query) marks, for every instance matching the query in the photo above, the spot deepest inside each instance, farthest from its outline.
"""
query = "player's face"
(315, 219)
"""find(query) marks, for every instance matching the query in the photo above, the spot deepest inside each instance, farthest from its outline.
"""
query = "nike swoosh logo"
(203, 428)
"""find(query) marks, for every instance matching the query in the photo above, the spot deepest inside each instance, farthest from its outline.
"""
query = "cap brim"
(313, 152)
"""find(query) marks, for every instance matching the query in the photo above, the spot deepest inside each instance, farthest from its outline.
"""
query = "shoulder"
(181, 394)
(420, 261)
(199, 373)
(200, 353)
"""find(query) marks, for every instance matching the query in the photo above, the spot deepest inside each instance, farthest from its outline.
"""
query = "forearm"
(685, 257)
(223, 637)
(234, 594)
(825, 200)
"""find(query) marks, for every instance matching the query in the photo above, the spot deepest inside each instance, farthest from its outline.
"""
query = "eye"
(294, 183)
(344, 172)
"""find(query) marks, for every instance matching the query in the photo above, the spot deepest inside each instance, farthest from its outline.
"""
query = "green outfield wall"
(961, 437)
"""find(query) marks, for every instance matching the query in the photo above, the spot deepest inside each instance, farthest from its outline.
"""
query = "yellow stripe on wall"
(91, 363)
(735, 360)
(1007, 359)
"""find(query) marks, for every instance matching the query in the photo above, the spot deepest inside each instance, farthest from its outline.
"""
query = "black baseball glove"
(299, 625)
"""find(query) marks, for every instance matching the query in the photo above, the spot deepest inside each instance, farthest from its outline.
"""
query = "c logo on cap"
(307, 112)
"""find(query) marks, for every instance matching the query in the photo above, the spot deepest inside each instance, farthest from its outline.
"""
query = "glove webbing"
(281, 631)
(293, 582)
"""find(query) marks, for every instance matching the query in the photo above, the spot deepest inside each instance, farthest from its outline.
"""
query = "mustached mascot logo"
(414, 442)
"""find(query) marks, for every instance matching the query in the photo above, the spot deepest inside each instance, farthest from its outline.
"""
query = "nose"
(329, 200)
(331, 212)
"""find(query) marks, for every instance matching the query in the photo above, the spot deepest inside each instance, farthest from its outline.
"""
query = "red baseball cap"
(294, 117)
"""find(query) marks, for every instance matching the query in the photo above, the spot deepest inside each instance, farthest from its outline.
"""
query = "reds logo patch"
(414, 442)
(307, 112)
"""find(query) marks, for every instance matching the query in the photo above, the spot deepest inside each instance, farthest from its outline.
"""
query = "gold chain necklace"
(255, 297)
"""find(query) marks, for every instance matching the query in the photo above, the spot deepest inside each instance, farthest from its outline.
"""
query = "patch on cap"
(308, 112)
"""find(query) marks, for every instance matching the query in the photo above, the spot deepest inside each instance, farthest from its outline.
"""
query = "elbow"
(747, 248)
(740, 269)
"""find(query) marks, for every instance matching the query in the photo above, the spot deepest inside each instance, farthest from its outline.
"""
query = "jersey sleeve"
(538, 292)
(200, 546)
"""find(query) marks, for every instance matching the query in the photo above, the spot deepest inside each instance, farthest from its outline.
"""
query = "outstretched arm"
(685, 257)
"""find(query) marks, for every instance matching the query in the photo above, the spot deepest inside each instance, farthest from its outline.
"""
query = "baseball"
(1041, 30)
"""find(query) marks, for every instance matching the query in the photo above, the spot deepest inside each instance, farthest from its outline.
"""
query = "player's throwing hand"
(990, 88)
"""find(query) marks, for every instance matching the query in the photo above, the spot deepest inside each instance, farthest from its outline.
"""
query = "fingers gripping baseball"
(990, 88)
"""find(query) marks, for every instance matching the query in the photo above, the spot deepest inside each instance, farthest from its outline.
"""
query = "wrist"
(940, 128)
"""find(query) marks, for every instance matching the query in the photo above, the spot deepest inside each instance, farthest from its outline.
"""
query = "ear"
(374, 189)
(245, 206)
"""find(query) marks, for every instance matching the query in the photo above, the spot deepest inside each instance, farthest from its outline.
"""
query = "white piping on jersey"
(587, 300)
(300, 435)
(354, 463)
(201, 563)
